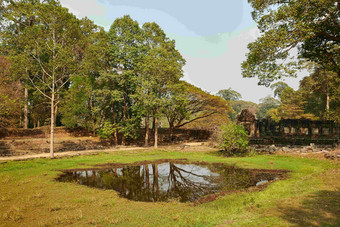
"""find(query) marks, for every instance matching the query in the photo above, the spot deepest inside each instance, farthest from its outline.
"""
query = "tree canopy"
(293, 32)
(229, 94)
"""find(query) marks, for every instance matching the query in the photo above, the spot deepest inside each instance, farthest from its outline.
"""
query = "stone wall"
(288, 131)
(296, 131)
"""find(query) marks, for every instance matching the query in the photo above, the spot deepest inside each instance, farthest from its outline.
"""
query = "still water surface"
(164, 181)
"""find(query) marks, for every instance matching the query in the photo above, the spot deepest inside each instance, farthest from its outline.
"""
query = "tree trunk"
(55, 115)
(327, 102)
(171, 130)
(52, 126)
(153, 126)
(115, 136)
(156, 132)
(26, 109)
(124, 118)
(147, 129)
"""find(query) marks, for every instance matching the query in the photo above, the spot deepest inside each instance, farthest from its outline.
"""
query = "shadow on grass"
(319, 209)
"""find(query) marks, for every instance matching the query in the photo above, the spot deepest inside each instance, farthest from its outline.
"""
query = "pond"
(166, 180)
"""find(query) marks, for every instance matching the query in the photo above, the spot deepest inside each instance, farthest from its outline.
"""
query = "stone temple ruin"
(288, 131)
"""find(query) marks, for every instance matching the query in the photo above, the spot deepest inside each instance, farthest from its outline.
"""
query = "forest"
(58, 70)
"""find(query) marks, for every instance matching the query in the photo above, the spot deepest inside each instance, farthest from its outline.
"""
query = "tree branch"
(38, 88)
(204, 116)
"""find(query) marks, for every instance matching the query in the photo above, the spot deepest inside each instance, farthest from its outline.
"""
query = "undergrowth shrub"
(233, 139)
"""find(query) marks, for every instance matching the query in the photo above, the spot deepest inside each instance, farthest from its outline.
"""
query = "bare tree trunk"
(52, 100)
(327, 101)
(124, 118)
(147, 129)
(115, 136)
(26, 109)
(171, 130)
(153, 126)
(52, 125)
(156, 132)
(55, 115)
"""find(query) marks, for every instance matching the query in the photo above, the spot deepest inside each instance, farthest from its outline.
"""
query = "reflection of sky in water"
(187, 181)
(194, 173)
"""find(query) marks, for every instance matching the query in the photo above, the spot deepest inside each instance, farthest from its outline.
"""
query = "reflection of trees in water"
(187, 188)
(154, 182)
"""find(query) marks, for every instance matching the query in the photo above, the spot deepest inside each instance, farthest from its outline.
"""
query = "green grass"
(29, 196)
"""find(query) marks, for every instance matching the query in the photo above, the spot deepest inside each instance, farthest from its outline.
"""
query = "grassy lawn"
(29, 195)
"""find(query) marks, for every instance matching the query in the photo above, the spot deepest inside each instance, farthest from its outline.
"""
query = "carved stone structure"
(288, 131)
(247, 118)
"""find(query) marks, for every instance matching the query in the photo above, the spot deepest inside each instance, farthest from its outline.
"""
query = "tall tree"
(125, 52)
(292, 106)
(52, 50)
(86, 104)
(229, 94)
(267, 104)
(192, 106)
(10, 96)
(160, 71)
(321, 91)
(311, 27)
(278, 88)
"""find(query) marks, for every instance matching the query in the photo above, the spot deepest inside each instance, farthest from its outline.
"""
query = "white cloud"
(224, 71)
(82, 8)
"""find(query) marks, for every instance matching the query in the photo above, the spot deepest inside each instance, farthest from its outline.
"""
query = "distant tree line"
(317, 98)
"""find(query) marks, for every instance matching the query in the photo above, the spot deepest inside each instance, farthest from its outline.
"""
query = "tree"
(164, 66)
(278, 88)
(310, 27)
(292, 106)
(229, 94)
(321, 91)
(52, 51)
(194, 106)
(240, 105)
(232, 139)
(125, 51)
(159, 74)
(10, 96)
(267, 104)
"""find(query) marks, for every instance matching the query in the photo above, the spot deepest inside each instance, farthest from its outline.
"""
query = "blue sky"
(211, 35)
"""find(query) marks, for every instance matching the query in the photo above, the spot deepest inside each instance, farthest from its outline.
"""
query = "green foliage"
(316, 98)
(106, 132)
(310, 26)
(10, 96)
(278, 88)
(265, 105)
(229, 94)
(233, 139)
(321, 91)
(240, 105)
(198, 109)
(293, 105)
